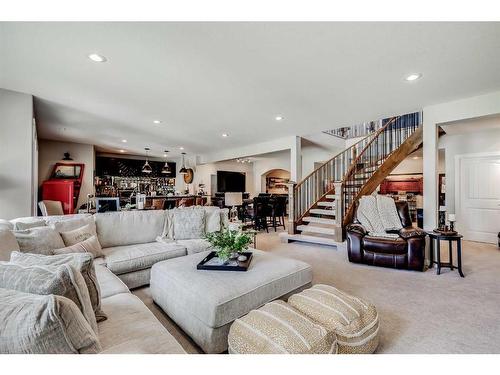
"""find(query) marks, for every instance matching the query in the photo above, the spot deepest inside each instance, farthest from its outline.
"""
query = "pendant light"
(183, 170)
(146, 168)
(166, 169)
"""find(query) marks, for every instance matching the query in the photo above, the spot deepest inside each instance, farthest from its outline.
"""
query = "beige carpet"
(420, 312)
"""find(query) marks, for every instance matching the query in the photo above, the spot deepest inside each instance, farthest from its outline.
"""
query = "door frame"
(458, 165)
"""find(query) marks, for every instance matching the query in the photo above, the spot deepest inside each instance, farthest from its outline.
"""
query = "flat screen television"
(233, 182)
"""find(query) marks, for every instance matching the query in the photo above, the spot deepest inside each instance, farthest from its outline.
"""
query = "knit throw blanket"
(378, 215)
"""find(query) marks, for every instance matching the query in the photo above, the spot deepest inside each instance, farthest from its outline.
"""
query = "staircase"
(322, 204)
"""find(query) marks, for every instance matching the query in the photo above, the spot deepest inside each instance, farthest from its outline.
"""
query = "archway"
(274, 181)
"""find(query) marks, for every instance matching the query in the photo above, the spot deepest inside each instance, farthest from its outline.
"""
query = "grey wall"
(16, 154)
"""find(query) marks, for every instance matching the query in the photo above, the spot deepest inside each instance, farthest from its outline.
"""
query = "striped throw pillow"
(277, 328)
(354, 321)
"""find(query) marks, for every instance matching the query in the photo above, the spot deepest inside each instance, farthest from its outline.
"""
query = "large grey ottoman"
(205, 303)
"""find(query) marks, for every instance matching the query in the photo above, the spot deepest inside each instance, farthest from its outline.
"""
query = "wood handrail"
(336, 155)
(376, 134)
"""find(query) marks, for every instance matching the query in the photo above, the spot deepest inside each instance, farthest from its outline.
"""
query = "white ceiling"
(473, 125)
(205, 79)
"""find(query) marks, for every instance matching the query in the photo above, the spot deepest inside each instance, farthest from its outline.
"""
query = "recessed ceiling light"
(124, 140)
(416, 157)
(122, 151)
(413, 77)
(156, 122)
(225, 135)
(279, 118)
(97, 58)
(181, 148)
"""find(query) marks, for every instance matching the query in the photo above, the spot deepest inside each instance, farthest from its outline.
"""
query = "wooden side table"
(437, 237)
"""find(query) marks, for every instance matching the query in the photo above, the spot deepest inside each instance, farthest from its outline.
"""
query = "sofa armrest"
(357, 228)
(412, 232)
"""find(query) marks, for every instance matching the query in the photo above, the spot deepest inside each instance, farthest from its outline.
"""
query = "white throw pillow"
(79, 234)
(40, 240)
(63, 280)
(188, 223)
(43, 324)
(84, 263)
(90, 245)
(8, 244)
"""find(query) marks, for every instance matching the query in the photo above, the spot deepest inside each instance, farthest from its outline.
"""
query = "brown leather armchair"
(405, 252)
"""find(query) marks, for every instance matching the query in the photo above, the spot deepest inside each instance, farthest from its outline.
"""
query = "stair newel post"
(292, 206)
(339, 210)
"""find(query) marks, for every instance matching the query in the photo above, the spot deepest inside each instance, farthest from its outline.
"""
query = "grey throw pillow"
(43, 324)
(83, 262)
(79, 234)
(63, 280)
(19, 225)
(66, 225)
(188, 223)
(91, 245)
(40, 240)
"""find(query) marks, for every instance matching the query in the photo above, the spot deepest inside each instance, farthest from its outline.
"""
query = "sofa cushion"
(91, 246)
(132, 328)
(123, 259)
(224, 218)
(81, 261)
(277, 328)
(109, 283)
(384, 245)
(71, 221)
(129, 227)
(40, 240)
(212, 219)
(6, 225)
(8, 244)
(189, 223)
(43, 324)
(63, 280)
(195, 246)
(354, 321)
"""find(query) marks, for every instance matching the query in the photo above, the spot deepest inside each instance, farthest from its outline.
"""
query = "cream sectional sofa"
(132, 242)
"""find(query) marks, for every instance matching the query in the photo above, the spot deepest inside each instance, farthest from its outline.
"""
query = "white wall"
(51, 152)
(203, 172)
(312, 154)
(267, 162)
(461, 144)
(483, 105)
(16, 154)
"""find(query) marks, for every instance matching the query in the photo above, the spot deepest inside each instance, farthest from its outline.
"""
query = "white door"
(479, 198)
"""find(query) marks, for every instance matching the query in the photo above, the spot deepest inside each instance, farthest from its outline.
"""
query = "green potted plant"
(228, 243)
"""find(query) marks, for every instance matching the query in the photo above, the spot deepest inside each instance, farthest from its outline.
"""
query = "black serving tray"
(236, 266)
